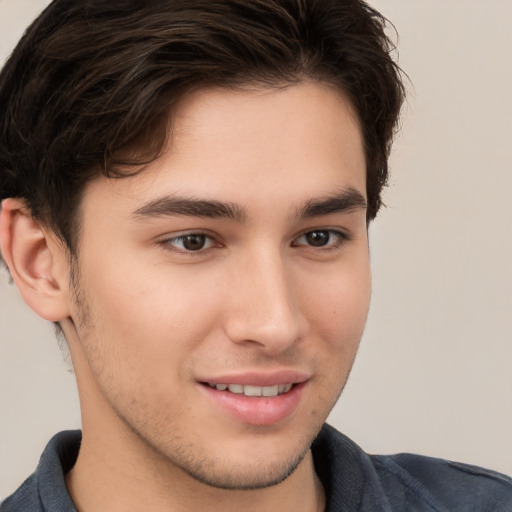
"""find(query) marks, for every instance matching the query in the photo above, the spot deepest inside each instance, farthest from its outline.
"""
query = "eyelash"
(339, 238)
(181, 238)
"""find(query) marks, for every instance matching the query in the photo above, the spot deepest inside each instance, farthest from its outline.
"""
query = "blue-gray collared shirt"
(353, 480)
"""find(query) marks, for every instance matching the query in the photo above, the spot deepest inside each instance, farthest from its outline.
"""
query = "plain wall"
(433, 375)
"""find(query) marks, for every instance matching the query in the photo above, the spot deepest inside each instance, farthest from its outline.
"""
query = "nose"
(264, 307)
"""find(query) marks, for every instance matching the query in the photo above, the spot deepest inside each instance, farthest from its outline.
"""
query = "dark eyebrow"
(171, 205)
(349, 199)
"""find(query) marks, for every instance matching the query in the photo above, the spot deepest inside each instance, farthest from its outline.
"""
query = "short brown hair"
(92, 83)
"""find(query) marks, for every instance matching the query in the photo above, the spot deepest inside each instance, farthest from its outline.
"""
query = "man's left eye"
(321, 238)
(193, 242)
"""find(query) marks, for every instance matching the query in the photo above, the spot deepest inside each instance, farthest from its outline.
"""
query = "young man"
(186, 193)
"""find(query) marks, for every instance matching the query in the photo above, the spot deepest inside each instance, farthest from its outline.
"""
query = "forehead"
(237, 145)
(264, 120)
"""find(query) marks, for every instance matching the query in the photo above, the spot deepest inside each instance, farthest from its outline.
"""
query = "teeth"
(236, 388)
(248, 390)
(253, 390)
(284, 388)
(270, 390)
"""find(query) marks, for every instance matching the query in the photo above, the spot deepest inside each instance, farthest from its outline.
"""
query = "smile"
(249, 390)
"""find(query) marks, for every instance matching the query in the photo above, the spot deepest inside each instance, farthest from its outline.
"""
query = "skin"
(148, 322)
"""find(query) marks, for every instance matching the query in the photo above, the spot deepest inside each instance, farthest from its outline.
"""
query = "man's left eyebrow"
(345, 201)
(182, 206)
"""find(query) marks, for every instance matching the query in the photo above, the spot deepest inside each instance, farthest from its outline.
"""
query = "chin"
(223, 475)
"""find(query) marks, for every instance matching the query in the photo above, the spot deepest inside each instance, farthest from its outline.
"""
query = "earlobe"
(34, 261)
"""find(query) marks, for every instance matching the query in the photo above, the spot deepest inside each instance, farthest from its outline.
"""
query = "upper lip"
(259, 378)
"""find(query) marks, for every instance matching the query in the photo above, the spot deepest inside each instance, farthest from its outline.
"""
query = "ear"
(36, 261)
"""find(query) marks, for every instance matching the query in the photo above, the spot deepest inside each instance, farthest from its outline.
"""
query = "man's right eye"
(189, 243)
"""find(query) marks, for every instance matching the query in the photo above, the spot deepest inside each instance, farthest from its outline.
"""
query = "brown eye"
(318, 238)
(194, 242)
(188, 243)
(321, 238)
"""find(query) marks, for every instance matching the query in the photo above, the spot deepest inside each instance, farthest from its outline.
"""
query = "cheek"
(151, 313)
(338, 319)
(339, 310)
(143, 330)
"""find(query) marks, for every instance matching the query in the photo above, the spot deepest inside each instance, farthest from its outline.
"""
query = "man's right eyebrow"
(172, 206)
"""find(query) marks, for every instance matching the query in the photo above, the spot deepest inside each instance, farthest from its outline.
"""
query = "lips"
(255, 398)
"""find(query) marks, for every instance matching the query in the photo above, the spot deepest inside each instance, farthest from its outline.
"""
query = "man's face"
(240, 259)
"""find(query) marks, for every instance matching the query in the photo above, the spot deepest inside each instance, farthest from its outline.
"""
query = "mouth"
(269, 403)
(251, 390)
(258, 398)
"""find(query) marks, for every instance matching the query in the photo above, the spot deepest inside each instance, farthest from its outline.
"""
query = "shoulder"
(405, 482)
(447, 485)
(46, 490)
(25, 499)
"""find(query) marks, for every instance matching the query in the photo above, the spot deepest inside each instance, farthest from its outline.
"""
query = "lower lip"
(260, 411)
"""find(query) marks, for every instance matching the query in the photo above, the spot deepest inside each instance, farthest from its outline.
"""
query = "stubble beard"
(221, 474)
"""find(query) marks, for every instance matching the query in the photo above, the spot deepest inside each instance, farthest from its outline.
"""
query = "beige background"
(434, 372)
